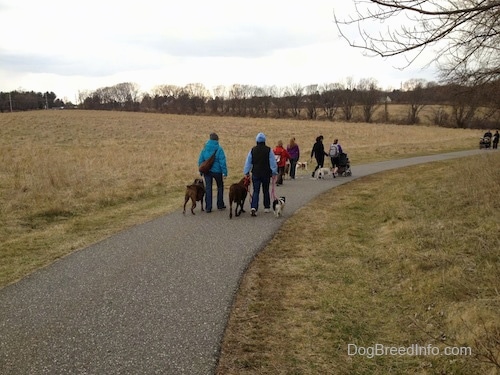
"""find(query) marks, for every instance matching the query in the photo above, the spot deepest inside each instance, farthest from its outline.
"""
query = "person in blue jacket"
(218, 172)
(262, 163)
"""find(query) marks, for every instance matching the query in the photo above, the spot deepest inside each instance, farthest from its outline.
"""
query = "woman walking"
(218, 172)
(281, 156)
(294, 151)
(318, 151)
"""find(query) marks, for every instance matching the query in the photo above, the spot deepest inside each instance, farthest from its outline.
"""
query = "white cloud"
(68, 46)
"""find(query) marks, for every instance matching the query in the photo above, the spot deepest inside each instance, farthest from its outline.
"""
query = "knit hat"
(260, 138)
(214, 137)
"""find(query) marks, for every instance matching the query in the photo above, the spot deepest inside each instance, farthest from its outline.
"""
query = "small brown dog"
(238, 193)
(195, 192)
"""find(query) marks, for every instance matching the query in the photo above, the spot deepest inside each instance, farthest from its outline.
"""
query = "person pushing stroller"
(335, 152)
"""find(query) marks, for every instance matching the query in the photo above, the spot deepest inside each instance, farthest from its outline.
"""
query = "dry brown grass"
(406, 257)
(69, 178)
(401, 263)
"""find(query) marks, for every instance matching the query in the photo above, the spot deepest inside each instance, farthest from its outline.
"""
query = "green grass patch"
(402, 258)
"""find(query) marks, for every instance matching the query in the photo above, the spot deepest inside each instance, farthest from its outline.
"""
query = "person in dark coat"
(318, 151)
(262, 163)
(495, 140)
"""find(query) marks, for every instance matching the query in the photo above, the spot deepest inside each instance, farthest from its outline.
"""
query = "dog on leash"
(238, 194)
(322, 173)
(301, 165)
(279, 206)
(195, 192)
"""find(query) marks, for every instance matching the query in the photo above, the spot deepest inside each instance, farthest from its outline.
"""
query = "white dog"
(278, 206)
(301, 165)
(322, 173)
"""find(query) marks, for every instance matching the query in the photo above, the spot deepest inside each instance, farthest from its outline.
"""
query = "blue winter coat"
(219, 165)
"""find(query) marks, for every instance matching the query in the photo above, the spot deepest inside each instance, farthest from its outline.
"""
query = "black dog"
(195, 192)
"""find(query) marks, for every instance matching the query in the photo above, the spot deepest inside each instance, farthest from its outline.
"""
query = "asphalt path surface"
(153, 299)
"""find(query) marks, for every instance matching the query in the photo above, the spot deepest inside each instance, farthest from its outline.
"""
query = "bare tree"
(170, 91)
(312, 101)
(196, 89)
(369, 97)
(466, 34)
(166, 96)
(263, 100)
(82, 95)
(126, 94)
(329, 94)
(464, 105)
(280, 101)
(416, 98)
(237, 98)
(219, 100)
(347, 98)
(295, 96)
(197, 95)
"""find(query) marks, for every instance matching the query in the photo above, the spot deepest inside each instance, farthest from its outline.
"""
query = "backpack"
(334, 150)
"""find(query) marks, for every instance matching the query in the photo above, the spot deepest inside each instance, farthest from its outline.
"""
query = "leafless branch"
(466, 34)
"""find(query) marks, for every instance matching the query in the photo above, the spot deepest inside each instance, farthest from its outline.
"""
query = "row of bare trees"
(466, 106)
(329, 101)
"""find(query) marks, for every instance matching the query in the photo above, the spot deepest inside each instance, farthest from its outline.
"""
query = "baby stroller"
(344, 165)
(485, 142)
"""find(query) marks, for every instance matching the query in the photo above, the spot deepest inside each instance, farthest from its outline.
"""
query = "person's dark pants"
(257, 182)
(495, 145)
(209, 177)
(320, 162)
(293, 167)
(281, 173)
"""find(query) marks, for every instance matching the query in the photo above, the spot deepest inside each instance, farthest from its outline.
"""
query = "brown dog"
(195, 192)
(238, 193)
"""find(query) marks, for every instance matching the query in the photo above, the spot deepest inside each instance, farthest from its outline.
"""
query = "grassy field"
(70, 178)
(399, 259)
(407, 257)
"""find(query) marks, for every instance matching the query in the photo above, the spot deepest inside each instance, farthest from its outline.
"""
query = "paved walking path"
(153, 299)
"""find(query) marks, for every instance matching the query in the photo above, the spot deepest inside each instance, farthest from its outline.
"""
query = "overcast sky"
(67, 46)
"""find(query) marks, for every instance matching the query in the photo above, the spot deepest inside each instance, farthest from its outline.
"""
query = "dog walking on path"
(195, 192)
(238, 194)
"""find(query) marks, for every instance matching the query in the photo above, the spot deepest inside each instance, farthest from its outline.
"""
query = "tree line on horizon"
(350, 101)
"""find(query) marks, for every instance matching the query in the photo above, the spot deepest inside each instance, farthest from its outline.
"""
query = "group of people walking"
(319, 153)
(263, 163)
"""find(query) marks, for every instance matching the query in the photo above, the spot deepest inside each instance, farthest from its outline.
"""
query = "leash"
(273, 192)
(250, 194)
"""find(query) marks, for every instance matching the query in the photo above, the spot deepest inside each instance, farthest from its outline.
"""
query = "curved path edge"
(153, 299)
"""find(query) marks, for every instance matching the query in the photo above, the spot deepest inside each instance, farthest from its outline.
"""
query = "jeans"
(257, 183)
(293, 167)
(209, 177)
